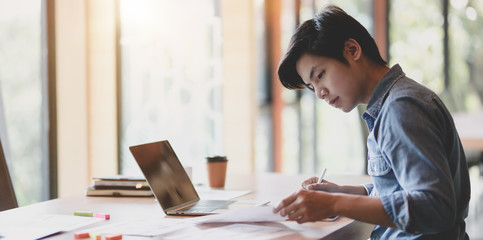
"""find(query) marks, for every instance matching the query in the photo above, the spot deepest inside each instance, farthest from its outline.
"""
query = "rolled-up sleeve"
(414, 148)
(369, 187)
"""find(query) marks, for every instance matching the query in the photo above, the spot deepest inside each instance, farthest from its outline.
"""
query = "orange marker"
(103, 215)
(81, 235)
(114, 237)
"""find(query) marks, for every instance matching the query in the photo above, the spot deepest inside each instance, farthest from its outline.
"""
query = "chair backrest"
(7, 193)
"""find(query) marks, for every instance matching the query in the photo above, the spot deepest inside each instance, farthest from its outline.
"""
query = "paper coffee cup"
(216, 167)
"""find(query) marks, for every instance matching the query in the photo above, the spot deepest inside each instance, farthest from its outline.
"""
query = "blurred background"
(81, 80)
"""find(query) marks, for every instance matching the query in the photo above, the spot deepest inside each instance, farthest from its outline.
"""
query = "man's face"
(331, 80)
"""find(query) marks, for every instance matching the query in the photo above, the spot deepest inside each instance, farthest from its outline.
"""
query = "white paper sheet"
(236, 231)
(259, 230)
(316, 230)
(38, 226)
(147, 227)
(248, 214)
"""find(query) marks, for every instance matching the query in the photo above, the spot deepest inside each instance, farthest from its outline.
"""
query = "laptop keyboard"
(207, 206)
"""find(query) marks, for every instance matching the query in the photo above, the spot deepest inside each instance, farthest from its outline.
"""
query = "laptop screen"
(165, 174)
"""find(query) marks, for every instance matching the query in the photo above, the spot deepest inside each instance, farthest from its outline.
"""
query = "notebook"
(171, 185)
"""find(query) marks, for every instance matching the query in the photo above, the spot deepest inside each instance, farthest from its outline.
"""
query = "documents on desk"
(42, 225)
(150, 226)
(248, 223)
(147, 227)
(261, 220)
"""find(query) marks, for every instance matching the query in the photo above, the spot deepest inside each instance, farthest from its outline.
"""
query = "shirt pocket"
(377, 166)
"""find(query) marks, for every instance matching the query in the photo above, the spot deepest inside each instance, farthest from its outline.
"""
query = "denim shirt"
(416, 161)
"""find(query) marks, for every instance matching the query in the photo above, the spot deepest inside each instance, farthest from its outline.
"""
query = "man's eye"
(320, 74)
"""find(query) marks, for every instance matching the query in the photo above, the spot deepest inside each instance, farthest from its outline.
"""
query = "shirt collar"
(382, 90)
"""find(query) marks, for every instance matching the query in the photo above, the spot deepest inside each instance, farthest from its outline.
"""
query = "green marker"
(83, 214)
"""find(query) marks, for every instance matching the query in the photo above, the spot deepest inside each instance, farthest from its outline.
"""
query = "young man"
(420, 187)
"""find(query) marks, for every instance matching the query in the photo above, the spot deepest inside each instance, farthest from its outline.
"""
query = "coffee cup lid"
(217, 159)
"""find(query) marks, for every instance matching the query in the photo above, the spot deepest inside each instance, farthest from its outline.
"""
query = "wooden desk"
(267, 187)
(470, 129)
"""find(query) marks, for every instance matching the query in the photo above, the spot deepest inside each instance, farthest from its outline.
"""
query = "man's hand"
(306, 206)
(310, 206)
(326, 186)
(311, 184)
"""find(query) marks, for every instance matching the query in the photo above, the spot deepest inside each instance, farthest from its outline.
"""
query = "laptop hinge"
(190, 203)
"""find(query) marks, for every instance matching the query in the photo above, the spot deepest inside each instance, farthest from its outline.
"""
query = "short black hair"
(325, 35)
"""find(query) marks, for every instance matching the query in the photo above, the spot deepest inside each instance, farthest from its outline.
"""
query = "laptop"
(8, 199)
(171, 185)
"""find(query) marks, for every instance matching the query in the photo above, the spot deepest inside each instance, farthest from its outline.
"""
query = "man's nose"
(322, 94)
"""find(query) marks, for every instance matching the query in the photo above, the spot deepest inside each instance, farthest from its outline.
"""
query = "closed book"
(138, 187)
(93, 191)
(120, 181)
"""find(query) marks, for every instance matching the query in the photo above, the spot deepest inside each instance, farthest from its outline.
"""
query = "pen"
(322, 175)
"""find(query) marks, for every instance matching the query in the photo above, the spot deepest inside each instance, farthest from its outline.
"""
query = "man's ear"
(352, 49)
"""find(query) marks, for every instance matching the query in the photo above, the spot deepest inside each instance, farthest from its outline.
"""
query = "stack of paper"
(119, 186)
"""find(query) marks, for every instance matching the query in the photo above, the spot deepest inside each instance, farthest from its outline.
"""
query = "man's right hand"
(326, 186)
(311, 184)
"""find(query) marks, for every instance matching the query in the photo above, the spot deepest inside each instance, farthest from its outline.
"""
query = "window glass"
(416, 40)
(21, 97)
(341, 144)
(361, 10)
(171, 78)
(262, 142)
(290, 116)
(466, 54)
(314, 134)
